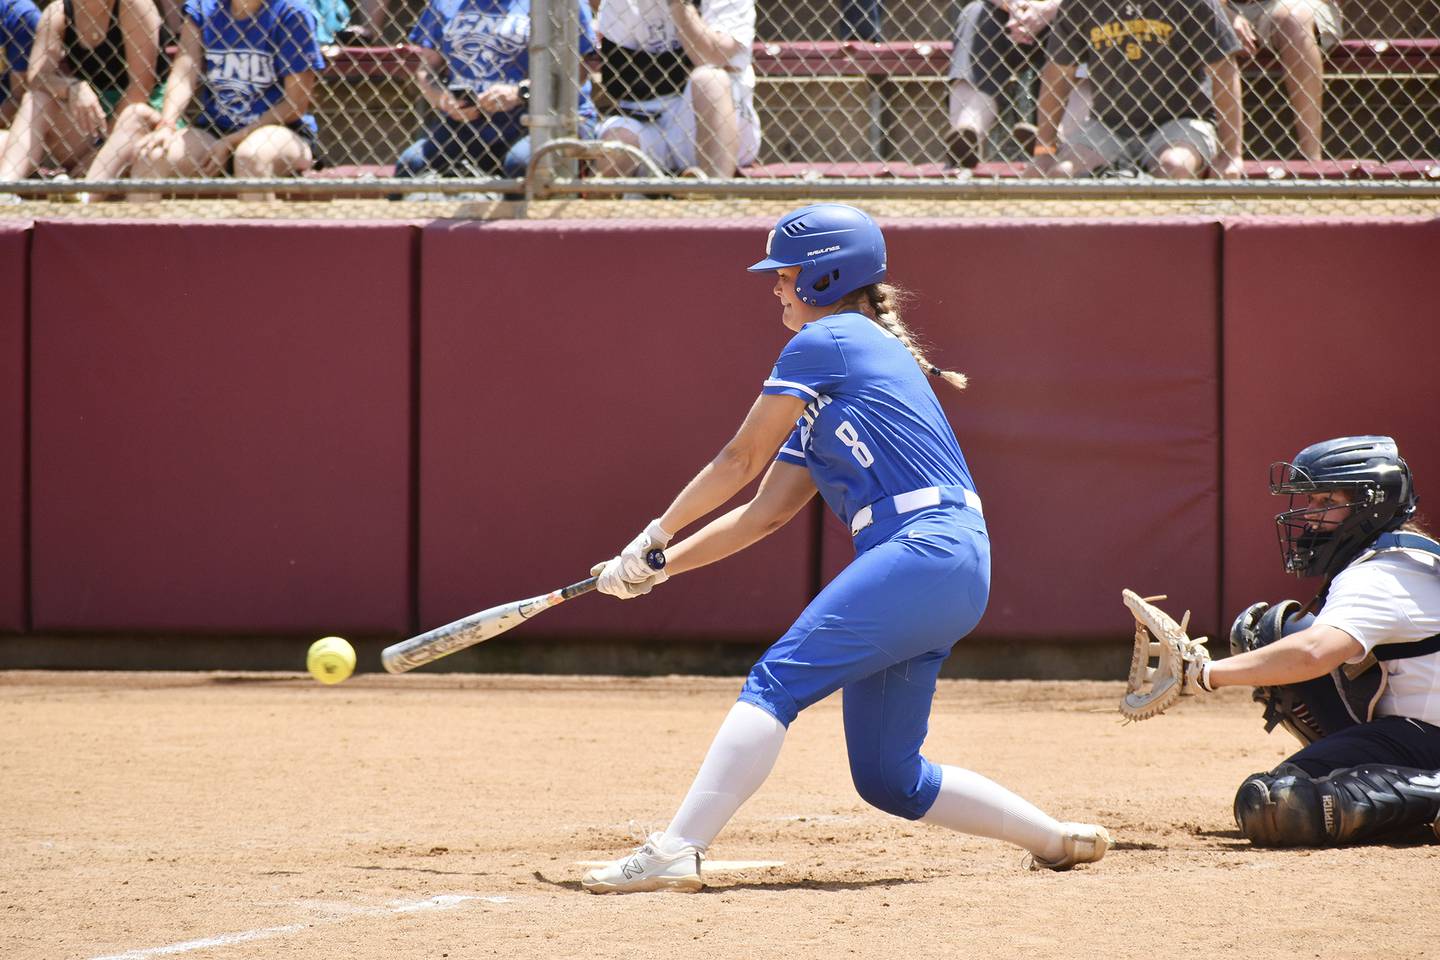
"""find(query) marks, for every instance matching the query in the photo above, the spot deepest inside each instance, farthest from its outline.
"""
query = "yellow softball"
(330, 660)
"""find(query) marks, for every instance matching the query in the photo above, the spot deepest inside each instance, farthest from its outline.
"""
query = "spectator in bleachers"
(1148, 61)
(474, 64)
(92, 60)
(680, 75)
(18, 20)
(996, 43)
(252, 66)
(1299, 31)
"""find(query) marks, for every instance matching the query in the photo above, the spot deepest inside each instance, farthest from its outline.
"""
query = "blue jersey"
(485, 42)
(247, 61)
(18, 19)
(872, 427)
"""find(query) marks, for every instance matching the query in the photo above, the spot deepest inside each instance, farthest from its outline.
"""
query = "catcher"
(1358, 682)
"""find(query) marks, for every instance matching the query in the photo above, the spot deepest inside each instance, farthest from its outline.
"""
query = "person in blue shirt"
(251, 67)
(848, 411)
(18, 20)
(473, 71)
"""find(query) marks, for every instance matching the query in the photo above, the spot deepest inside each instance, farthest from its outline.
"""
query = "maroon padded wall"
(14, 286)
(574, 376)
(1091, 420)
(221, 426)
(1331, 328)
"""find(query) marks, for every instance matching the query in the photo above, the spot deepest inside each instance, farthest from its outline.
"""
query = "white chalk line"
(447, 901)
(711, 866)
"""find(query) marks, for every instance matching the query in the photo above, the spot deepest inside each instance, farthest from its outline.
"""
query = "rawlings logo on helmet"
(854, 260)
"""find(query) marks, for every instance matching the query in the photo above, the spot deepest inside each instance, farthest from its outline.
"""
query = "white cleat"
(1084, 843)
(655, 865)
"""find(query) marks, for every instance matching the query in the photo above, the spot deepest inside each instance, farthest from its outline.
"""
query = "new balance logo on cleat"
(659, 864)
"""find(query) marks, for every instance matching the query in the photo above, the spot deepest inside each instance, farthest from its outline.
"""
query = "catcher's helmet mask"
(837, 247)
(1369, 471)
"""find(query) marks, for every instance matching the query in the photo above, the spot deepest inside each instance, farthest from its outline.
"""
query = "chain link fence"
(424, 99)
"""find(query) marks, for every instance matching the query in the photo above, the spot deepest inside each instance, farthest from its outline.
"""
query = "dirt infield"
(262, 815)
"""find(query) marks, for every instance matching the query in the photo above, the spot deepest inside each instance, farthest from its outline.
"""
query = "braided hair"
(882, 303)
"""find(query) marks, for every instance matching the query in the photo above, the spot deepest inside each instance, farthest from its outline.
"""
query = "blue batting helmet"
(838, 249)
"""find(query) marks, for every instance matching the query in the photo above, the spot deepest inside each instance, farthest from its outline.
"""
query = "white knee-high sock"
(970, 803)
(739, 760)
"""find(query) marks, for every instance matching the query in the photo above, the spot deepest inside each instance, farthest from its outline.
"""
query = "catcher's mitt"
(1153, 689)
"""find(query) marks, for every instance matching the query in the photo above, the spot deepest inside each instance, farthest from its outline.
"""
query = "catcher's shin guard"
(1286, 808)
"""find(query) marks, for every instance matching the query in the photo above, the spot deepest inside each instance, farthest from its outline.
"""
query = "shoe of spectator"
(1025, 136)
(963, 149)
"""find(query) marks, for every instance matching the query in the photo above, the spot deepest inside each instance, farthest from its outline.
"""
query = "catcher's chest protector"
(1349, 694)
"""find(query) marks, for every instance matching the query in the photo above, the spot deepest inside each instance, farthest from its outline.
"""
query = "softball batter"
(850, 411)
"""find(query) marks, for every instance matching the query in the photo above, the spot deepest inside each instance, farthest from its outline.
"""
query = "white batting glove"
(634, 566)
(612, 581)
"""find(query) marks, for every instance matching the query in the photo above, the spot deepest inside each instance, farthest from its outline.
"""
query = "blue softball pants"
(880, 631)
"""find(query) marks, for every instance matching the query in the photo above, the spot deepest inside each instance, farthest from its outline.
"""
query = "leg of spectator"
(1299, 52)
(973, 115)
(1077, 110)
(517, 159)
(616, 164)
(67, 145)
(717, 128)
(271, 151)
(1085, 147)
(25, 146)
(1073, 161)
(172, 16)
(417, 158)
(114, 159)
(184, 158)
(1179, 161)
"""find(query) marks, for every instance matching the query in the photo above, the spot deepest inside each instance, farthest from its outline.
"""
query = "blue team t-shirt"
(872, 427)
(247, 61)
(18, 20)
(485, 42)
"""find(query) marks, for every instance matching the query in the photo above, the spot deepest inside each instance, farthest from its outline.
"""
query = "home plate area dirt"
(238, 816)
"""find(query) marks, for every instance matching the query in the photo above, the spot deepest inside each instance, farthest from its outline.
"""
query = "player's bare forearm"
(769, 422)
(783, 492)
(1311, 653)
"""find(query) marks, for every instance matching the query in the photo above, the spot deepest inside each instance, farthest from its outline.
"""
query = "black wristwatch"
(523, 88)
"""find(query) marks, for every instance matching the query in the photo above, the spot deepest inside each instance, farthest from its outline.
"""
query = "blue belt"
(887, 507)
